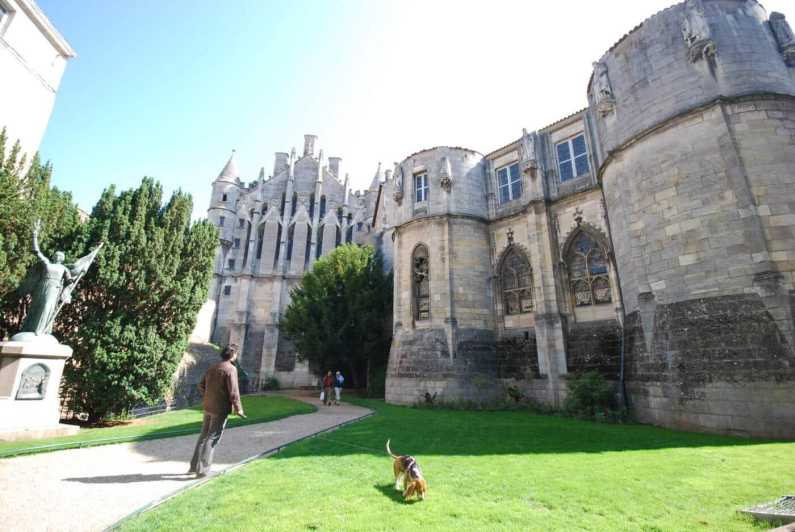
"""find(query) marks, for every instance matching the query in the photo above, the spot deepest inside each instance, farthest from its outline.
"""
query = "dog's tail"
(389, 450)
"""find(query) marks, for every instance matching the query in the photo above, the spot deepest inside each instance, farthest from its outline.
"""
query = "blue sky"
(168, 88)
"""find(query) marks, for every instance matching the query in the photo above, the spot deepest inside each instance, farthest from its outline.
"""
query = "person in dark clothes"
(328, 382)
(221, 397)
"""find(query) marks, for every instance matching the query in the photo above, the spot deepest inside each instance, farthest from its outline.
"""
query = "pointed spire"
(262, 174)
(230, 172)
(376, 178)
(345, 187)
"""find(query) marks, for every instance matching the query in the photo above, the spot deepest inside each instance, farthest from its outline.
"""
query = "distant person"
(328, 383)
(338, 380)
(221, 397)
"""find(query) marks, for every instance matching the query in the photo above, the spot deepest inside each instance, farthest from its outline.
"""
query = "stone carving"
(51, 286)
(784, 37)
(510, 236)
(446, 175)
(527, 150)
(696, 32)
(602, 91)
(33, 382)
(398, 194)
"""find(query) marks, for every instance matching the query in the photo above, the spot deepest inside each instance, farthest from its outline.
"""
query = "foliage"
(131, 317)
(515, 394)
(259, 409)
(25, 198)
(590, 395)
(341, 310)
(491, 471)
(271, 383)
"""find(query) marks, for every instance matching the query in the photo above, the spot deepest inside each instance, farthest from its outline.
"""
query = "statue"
(51, 288)
(696, 33)
(527, 151)
(784, 37)
(398, 173)
(602, 92)
(446, 174)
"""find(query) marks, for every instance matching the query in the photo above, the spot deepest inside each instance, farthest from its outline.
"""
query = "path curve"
(93, 488)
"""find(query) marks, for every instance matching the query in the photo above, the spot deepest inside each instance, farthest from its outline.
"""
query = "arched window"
(420, 278)
(349, 235)
(260, 240)
(312, 206)
(278, 245)
(517, 283)
(294, 205)
(322, 206)
(588, 278)
(290, 233)
(284, 200)
(319, 241)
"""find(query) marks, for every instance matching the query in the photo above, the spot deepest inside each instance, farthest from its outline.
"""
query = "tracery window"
(588, 277)
(517, 283)
(420, 268)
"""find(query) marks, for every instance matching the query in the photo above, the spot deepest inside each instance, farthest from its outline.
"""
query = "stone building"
(649, 236)
(33, 56)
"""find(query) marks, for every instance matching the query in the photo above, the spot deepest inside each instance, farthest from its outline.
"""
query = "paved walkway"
(92, 488)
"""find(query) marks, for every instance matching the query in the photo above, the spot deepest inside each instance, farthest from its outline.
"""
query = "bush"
(590, 396)
(271, 383)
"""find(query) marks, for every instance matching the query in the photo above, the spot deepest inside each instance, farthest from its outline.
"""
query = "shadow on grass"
(389, 491)
(126, 479)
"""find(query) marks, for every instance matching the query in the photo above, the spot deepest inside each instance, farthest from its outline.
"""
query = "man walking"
(328, 382)
(338, 380)
(221, 397)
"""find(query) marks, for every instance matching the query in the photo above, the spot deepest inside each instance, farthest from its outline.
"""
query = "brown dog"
(408, 475)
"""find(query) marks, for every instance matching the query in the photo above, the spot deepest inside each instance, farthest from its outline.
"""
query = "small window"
(223, 197)
(509, 182)
(421, 188)
(572, 158)
(221, 221)
(227, 290)
(237, 243)
(231, 264)
(241, 222)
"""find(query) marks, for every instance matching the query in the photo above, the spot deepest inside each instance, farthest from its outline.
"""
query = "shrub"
(271, 383)
(590, 395)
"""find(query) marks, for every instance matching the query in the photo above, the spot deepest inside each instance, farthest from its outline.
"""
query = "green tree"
(341, 313)
(130, 320)
(24, 198)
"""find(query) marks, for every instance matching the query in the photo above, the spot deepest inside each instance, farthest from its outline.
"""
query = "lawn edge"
(29, 451)
(200, 482)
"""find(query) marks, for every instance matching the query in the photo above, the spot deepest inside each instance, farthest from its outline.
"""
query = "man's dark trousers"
(212, 429)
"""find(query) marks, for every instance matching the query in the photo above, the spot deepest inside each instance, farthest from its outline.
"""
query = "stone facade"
(649, 237)
(33, 58)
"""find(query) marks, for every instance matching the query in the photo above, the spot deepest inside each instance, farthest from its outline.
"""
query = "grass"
(258, 408)
(491, 471)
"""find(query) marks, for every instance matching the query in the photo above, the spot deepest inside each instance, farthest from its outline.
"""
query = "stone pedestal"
(30, 378)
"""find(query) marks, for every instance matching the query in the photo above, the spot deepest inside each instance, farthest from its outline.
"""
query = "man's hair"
(229, 351)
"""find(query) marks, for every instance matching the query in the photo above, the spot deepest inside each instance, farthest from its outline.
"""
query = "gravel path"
(90, 489)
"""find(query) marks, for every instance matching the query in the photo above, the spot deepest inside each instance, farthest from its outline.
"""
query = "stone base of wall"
(420, 362)
(716, 364)
(594, 346)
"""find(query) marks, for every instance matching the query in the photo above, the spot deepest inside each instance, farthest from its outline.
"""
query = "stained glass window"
(587, 260)
(517, 283)
(421, 283)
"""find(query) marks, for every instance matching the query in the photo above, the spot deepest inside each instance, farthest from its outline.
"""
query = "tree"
(25, 198)
(130, 319)
(341, 312)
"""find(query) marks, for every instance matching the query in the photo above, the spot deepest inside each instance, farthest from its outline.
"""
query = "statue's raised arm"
(36, 250)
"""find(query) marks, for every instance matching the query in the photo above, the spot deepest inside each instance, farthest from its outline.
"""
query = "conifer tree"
(130, 320)
(341, 313)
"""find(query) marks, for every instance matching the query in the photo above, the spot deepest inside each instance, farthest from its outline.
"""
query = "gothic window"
(322, 206)
(311, 207)
(278, 245)
(509, 182)
(227, 290)
(338, 240)
(231, 264)
(221, 221)
(241, 222)
(420, 276)
(308, 248)
(421, 188)
(284, 200)
(260, 240)
(588, 276)
(246, 243)
(237, 243)
(294, 205)
(517, 283)
(572, 158)
(290, 234)
(349, 234)
(339, 215)
(319, 245)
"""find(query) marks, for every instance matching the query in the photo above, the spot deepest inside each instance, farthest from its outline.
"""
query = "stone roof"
(230, 172)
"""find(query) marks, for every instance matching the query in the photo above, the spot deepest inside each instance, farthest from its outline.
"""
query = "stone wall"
(594, 346)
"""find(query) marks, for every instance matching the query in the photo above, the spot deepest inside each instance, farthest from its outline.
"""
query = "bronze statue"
(51, 289)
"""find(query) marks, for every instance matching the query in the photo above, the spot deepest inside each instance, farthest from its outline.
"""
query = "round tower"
(443, 343)
(695, 114)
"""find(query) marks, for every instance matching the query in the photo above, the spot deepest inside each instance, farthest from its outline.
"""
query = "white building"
(33, 57)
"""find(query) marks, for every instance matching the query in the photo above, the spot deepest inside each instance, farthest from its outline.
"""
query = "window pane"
(516, 189)
(514, 169)
(578, 144)
(577, 266)
(582, 293)
(601, 290)
(565, 171)
(597, 262)
(504, 194)
(581, 163)
(563, 152)
(502, 176)
(526, 301)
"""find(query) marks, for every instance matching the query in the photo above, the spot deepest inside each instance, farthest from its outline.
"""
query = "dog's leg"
(400, 482)
(409, 491)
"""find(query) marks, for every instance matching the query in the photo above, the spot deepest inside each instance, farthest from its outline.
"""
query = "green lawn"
(258, 408)
(491, 471)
